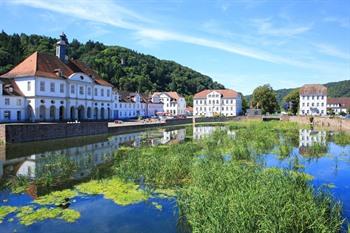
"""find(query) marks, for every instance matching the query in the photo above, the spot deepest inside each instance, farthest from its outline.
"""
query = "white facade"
(339, 105)
(11, 105)
(216, 103)
(313, 105)
(313, 100)
(173, 103)
(75, 98)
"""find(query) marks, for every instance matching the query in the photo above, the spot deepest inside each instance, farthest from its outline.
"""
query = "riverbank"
(31, 132)
(323, 122)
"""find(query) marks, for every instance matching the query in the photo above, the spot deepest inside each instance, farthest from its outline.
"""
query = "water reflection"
(312, 142)
(88, 154)
(308, 137)
(200, 132)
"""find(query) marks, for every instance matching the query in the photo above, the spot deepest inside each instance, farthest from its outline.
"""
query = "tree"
(348, 110)
(293, 101)
(245, 105)
(264, 98)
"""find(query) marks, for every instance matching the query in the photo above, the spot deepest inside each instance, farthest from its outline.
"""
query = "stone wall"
(15, 133)
(334, 123)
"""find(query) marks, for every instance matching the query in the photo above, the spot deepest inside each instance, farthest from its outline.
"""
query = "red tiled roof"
(343, 101)
(78, 66)
(313, 89)
(171, 94)
(225, 93)
(45, 65)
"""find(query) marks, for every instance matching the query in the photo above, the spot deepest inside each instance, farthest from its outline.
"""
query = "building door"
(19, 118)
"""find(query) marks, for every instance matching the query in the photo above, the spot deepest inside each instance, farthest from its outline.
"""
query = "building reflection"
(309, 138)
(86, 157)
(200, 132)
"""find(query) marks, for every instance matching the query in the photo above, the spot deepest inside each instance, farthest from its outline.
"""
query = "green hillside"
(126, 69)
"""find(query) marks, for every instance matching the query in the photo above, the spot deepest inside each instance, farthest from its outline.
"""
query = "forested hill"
(126, 69)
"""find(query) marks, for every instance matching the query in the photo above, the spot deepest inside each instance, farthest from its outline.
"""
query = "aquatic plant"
(341, 138)
(56, 198)
(240, 198)
(6, 210)
(27, 215)
(157, 205)
(122, 193)
(315, 150)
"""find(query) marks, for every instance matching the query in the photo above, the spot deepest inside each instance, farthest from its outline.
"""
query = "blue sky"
(239, 43)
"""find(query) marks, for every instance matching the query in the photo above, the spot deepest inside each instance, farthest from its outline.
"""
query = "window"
(42, 86)
(102, 92)
(95, 91)
(19, 115)
(108, 93)
(7, 115)
(19, 102)
(89, 90)
(7, 101)
(62, 88)
(72, 89)
(52, 87)
(81, 90)
(29, 86)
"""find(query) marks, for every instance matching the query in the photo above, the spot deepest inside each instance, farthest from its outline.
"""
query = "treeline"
(126, 69)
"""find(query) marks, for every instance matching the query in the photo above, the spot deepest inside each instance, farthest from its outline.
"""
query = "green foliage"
(293, 99)
(245, 104)
(56, 198)
(264, 98)
(124, 68)
(245, 198)
(122, 193)
(6, 210)
(342, 138)
(28, 215)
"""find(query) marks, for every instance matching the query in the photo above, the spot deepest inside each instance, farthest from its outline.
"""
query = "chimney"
(62, 48)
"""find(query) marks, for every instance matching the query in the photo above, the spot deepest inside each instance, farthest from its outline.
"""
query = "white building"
(339, 105)
(313, 100)
(152, 105)
(210, 103)
(173, 103)
(12, 102)
(127, 105)
(56, 88)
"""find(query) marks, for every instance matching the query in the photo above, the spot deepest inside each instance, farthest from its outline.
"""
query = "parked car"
(347, 116)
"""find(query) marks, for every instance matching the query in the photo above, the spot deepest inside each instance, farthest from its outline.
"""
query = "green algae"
(27, 215)
(6, 210)
(157, 206)
(56, 198)
(122, 193)
(166, 192)
(70, 215)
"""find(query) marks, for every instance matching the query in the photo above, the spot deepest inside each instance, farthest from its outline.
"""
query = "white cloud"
(110, 13)
(333, 51)
(265, 27)
(342, 22)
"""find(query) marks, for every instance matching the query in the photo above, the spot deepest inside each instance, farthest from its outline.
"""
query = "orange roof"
(225, 93)
(171, 94)
(313, 89)
(343, 101)
(45, 65)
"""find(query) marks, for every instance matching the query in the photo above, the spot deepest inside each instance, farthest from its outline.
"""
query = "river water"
(98, 214)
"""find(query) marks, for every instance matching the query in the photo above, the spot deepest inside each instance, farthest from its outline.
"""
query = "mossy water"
(229, 180)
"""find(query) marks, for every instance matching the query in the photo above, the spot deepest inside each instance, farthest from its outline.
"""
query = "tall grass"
(243, 198)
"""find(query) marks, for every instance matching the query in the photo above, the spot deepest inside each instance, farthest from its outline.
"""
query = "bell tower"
(62, 48)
